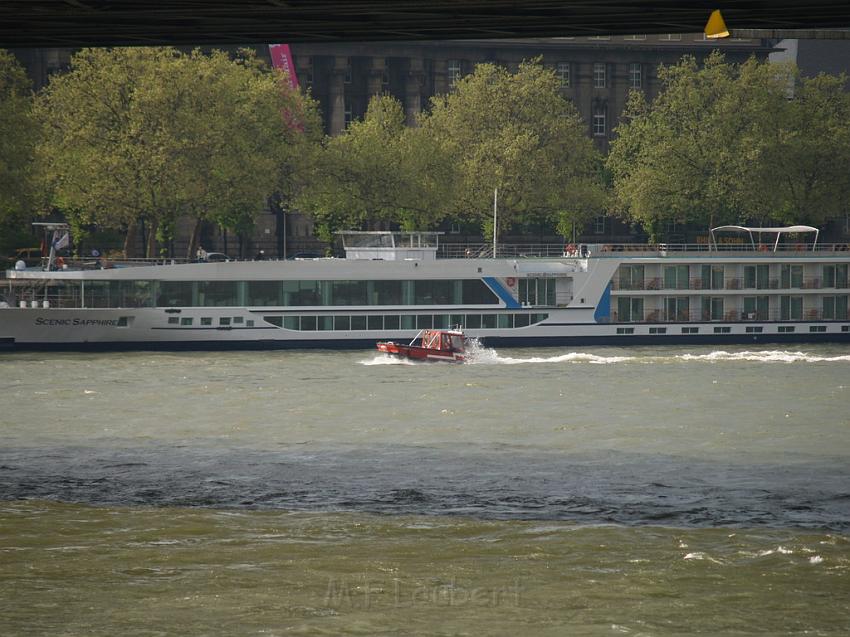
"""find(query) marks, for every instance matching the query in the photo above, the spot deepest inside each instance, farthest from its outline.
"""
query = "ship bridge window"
(537, 291)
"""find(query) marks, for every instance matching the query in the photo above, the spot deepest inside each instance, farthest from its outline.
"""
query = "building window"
(454, 72)
(599, 75)
(563, 71)
(670, 37)
(348, 71)
(308, 78)
(348, 113)
(599, 126)
(635, 37)
(385, 78)
(635, 75)
(599, 225)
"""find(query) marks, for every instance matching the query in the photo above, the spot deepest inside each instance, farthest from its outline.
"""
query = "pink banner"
(282, 59)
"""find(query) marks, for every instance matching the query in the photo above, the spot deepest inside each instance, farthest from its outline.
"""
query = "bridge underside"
(76, 23)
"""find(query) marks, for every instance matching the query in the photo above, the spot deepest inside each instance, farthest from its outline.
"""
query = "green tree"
(150, 135)
(377, 172)
(18, 135)
(515, 132)
(724, 143)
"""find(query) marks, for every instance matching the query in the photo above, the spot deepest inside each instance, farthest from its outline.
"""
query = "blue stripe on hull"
(489, 341)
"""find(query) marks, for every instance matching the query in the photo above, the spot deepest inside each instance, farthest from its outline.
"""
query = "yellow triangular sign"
(716, 27)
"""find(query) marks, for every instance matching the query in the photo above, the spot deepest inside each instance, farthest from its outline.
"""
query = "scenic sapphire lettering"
(77, 322)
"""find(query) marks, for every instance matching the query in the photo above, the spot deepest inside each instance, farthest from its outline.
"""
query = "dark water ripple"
(493, 483)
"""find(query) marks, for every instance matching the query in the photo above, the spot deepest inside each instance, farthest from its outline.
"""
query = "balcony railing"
(732, 316)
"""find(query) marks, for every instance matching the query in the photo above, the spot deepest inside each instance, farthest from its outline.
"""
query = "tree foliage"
(499, 130)
(152, 134)
(378, 171)
(515, 132)
(724, 143)
(18, 134)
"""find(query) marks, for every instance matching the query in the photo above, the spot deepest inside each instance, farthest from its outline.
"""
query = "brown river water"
(633, 491)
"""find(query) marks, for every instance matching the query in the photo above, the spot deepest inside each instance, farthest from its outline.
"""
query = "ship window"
(625, 330)
(342, 322)
(456, 320)
(391, 322)
(264, 293)
(349, 293)
(536, 318)
(473, 321)
(217, 294)
(835, 307)
(629, 309)
(206, 320)
(274, 320)
(756, 276)
(817, 328)
(123, 321)
(186, 320)
(676, 277)
(657, 330)
(690, 330)
(790, 308)
(791, 276)
(173, 320)
(631, 277)
(754, 329)
(424, 321)
(521, 320)
(408, 322)
(835, 276)
(325, 323)
(290, 322)
(676, 308)
(358, 322)
(505, 321)
(376, 322)
(845, 328)
(722, 330)
(441, 321)
(224, 320)
(539, 291)
(386, 293)
(237, 320)
(174, 294)
(308, 323)
(786, 328)
(249, 323)
(488, 321)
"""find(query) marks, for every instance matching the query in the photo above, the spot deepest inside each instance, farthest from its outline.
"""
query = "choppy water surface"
(602, 491)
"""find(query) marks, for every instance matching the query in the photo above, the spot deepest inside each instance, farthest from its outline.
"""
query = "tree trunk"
(194, 239)
(130, 240)
(153, 226)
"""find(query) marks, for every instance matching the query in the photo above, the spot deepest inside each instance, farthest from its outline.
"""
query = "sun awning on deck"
(778, 231)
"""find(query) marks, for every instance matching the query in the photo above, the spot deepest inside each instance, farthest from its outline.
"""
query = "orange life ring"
(511, 281)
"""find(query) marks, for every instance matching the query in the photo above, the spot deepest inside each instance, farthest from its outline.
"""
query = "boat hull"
(416, 353)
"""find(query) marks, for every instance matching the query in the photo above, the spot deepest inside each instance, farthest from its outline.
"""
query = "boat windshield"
(457, 342)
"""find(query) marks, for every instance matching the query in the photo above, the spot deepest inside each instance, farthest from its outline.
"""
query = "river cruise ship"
(390, 286)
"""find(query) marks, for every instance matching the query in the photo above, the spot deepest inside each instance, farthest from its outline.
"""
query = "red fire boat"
(430, 345)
